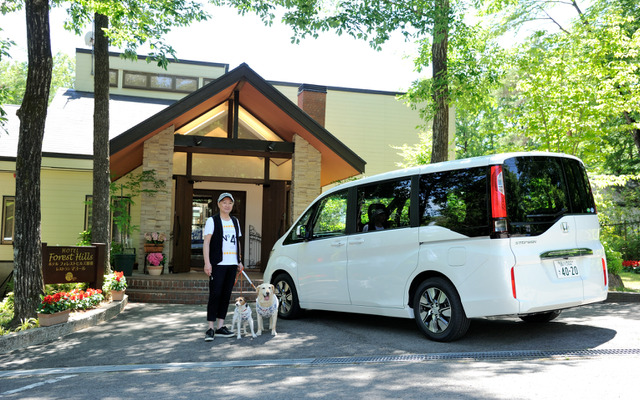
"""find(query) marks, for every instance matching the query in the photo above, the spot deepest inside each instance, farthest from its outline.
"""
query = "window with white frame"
(8, 218)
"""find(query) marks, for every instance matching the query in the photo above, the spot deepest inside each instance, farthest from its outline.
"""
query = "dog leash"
(246, 276)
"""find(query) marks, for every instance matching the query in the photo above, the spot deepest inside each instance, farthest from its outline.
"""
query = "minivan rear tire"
(289, 307)
(438, 311)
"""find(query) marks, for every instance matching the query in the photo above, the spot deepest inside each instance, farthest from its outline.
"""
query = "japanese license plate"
(566, 269)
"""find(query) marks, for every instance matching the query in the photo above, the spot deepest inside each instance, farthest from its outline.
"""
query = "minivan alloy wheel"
(435, 310)
(438, 310)
(289, 307)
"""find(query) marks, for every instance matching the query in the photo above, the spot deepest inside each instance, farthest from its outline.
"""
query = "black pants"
(220, 287)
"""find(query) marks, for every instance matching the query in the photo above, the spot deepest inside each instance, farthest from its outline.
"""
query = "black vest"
(215, 245)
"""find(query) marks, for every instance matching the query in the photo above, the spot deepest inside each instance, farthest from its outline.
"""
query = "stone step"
(170, 289)
(179, 297)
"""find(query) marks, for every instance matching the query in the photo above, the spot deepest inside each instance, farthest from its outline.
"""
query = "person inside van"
(378, 219)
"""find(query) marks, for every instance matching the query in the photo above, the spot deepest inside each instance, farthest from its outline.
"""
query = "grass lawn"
(631, 280)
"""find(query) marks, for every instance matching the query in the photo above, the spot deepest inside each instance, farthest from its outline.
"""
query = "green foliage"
(631, 250)
(614, 259)
(136, 22)
(575, 90)
(85, 238)
(123, 193)
(54, 288)
(6, 313)
(27, 324)
(5, 44)
(416, 155)
(14, 78)
(332, 216)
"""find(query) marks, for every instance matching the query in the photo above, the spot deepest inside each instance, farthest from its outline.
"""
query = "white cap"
(225, 194)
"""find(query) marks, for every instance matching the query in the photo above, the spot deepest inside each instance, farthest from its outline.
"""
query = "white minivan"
(507, 234)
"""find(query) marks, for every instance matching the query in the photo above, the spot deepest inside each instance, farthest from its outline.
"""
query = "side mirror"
(301, 232)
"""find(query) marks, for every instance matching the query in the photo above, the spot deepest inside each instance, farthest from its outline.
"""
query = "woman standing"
(222, 260)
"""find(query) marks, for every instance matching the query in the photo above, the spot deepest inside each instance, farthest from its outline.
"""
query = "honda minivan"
(508, 234)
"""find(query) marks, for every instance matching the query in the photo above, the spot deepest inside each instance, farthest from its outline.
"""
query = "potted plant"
(156, 263)
(115, 283)
(122, 193)
(154, 242)
(54, 309)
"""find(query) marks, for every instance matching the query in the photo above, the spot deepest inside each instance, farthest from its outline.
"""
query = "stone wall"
(305, 182)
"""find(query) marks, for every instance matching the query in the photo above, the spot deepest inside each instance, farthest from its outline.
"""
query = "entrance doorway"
(205, 205)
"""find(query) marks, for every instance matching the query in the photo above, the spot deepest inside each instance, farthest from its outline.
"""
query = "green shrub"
(631, 248)
(54, 288)
(6, 313)
(84, 238)
(614, 259)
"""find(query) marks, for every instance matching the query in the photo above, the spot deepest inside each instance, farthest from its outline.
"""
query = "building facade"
(204, 129)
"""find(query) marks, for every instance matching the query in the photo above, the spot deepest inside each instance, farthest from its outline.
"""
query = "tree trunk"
(635, 132)
(27, 251)
(440, 149)
(100, 230)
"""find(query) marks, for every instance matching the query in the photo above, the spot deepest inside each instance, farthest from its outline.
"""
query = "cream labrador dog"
(266, 307)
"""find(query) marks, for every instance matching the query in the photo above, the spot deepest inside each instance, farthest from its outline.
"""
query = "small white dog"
(267, 307)
(241, 317)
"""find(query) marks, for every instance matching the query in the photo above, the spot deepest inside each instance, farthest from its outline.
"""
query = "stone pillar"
(155, 210)
(305, 182)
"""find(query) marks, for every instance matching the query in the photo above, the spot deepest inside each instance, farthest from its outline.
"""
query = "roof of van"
(493, 159)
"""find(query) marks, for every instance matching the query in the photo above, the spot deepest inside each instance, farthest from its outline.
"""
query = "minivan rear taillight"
(498, 201)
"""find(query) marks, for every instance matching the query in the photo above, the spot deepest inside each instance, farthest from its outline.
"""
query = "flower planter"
(117, 295)
(153, 247)
(53, 319)
(155, 269)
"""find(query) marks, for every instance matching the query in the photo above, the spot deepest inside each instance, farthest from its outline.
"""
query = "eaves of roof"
(258, 97)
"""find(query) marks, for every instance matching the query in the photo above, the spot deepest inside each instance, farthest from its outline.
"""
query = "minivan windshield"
(541, 190)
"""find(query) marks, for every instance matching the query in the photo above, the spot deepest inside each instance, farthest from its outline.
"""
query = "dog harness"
(267, 311)
(245, 314)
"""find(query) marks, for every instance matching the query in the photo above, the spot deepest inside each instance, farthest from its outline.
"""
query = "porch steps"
(177, 289)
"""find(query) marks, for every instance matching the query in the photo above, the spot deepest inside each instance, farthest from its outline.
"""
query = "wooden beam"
(203, 178)
(210, 145)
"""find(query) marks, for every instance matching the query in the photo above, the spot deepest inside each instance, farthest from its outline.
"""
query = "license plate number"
(566, 269)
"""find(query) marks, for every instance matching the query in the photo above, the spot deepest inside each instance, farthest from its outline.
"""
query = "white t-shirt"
(229, 240)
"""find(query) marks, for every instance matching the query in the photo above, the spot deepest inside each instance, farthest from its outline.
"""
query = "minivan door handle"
(356, 241)
(338, 243)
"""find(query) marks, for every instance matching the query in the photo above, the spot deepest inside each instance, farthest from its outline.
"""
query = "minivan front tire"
(289, 307)
(438, 310)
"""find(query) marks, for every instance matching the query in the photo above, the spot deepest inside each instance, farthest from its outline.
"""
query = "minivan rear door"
(548, 202)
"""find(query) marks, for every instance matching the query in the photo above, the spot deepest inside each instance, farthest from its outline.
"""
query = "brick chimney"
(312, 99)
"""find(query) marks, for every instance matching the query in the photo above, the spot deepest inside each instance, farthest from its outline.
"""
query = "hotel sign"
(73, 264)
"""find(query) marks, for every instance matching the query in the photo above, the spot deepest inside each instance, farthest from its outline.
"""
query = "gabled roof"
(259, 98)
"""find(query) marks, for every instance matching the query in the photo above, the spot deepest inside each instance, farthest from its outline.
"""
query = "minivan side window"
(331, 217)
(383, 205)
(456, 200)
